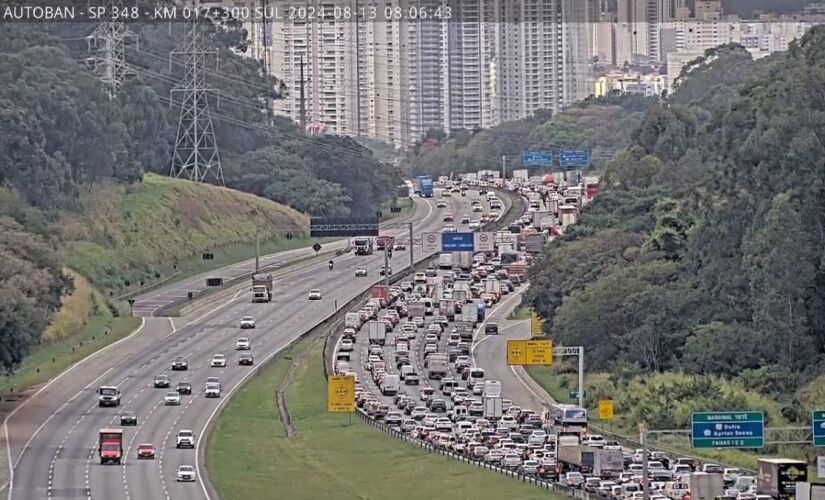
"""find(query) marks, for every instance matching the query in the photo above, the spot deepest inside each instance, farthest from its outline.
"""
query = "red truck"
(384, 241)
(382, 293)
(110, 446)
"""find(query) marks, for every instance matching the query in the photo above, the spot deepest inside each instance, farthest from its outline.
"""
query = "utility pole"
(265, 27)
(386, 266)
(412, 258)
(503, 166)
(303, 105)
(108, 59)
(257, 246)
(196, 150)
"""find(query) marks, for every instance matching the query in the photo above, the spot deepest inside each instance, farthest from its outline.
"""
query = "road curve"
(60, 461)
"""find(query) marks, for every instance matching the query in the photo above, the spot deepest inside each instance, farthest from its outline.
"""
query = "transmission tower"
(196, 151)
(106, 43)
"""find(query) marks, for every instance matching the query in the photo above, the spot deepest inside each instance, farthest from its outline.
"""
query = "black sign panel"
(214, 281)
(208, 256)
(321, 227)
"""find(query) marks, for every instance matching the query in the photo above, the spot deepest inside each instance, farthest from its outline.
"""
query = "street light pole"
(503, 166)
(645, 477)
(386, 266)
(257, 246)
(581, 376)
(412, 258)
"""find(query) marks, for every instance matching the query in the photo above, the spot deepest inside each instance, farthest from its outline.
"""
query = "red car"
(146, 451)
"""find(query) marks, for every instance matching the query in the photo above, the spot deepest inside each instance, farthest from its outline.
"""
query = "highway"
(60, 461)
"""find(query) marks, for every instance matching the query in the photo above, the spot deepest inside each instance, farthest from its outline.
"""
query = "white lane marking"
(13, 464)
(488, 318)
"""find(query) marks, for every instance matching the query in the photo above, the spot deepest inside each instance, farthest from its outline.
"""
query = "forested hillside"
(601, 125)
(63, 142)
(705, 248)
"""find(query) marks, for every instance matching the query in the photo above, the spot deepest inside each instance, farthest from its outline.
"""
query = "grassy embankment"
(158, 229)
(249, 456)
(126, 236)
(625, 396)
(76, 331)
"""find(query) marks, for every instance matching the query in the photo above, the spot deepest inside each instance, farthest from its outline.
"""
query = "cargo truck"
(262, 288)
(445, 260)
(465, 329)
(437, 366)
(352, 320)
(109, 395)
(384, 241)
(534, 243)
(425, 186)
(469, 315)
(446, 307)
(777, 477)
(363, 246)
(589, 460)
(706, 486)
(416, 309)
(517, 269)
(463, 260)
(381, 293)
(377, 332)
(110, 446)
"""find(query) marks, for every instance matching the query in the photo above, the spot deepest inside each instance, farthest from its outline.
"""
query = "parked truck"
(706, 486)
(262, 287)
(377, 332)
(437, 366)
(777, 477)
(110, 446)
(363, 246)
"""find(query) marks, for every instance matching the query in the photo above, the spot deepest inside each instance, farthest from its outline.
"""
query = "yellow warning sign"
(341, 393)
(536, 325)
(529, 352)
(605, 409)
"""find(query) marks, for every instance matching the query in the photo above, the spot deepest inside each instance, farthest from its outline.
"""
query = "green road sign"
(574, 394)
(728, 429)
(818, 423)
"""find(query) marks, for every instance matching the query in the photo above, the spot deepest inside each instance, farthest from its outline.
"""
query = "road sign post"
(536, 325)
(605, 409)
(728, 429)
(341, 393)
(818, 424)
(529, 352)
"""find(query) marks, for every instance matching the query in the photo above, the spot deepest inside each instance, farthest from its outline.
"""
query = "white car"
(242, 344)
(475, 224)
(347, 345)
(185, 439)
(171, 399)
(218, 361)
(186, 473)
(212, 391)
(314, 294)
(360, 272)
(247, 322)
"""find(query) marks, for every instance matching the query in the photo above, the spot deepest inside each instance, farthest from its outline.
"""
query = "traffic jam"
(409, 350)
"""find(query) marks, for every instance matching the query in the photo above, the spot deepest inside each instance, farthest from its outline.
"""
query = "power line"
(196, 150)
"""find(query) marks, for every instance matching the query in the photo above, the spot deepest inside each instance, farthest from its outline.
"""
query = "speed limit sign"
(432, 242)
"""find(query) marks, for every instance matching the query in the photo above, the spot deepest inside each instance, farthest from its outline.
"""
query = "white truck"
(416, 309)
(352, 320)
(469, 314)
(446, 307)
(377, 332)
(463, 260)
(391, 385)
(108, 395)
(437, 366)
(445, 260)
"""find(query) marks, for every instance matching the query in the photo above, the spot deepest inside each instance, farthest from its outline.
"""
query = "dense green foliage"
(601, 125)
(61, 132)
(704, 252)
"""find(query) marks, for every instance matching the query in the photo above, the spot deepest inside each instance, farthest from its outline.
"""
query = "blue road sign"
(457, 242)
(818, 422)
(537, 158)
(728, 429)
(574, 158)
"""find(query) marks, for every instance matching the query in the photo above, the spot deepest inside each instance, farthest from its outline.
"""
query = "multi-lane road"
(53, 438)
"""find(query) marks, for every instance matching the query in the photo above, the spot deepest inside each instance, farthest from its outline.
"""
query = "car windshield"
(108, 391)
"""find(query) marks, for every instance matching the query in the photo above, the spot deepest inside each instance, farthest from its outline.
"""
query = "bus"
(569, 417)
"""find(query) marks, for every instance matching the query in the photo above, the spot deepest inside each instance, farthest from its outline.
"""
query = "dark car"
(161, 381)
(128, 418)
(246, 359)
(180, 364)
(184, 388)
(491, 329)
(438, 405)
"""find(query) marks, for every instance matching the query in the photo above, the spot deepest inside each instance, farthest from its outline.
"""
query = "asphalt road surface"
(60, 460)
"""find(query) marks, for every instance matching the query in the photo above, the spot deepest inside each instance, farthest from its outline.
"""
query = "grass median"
(249, 456)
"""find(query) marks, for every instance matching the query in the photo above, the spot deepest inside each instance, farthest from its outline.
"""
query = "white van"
(476, 375)
(390, 385)
(405, 370)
